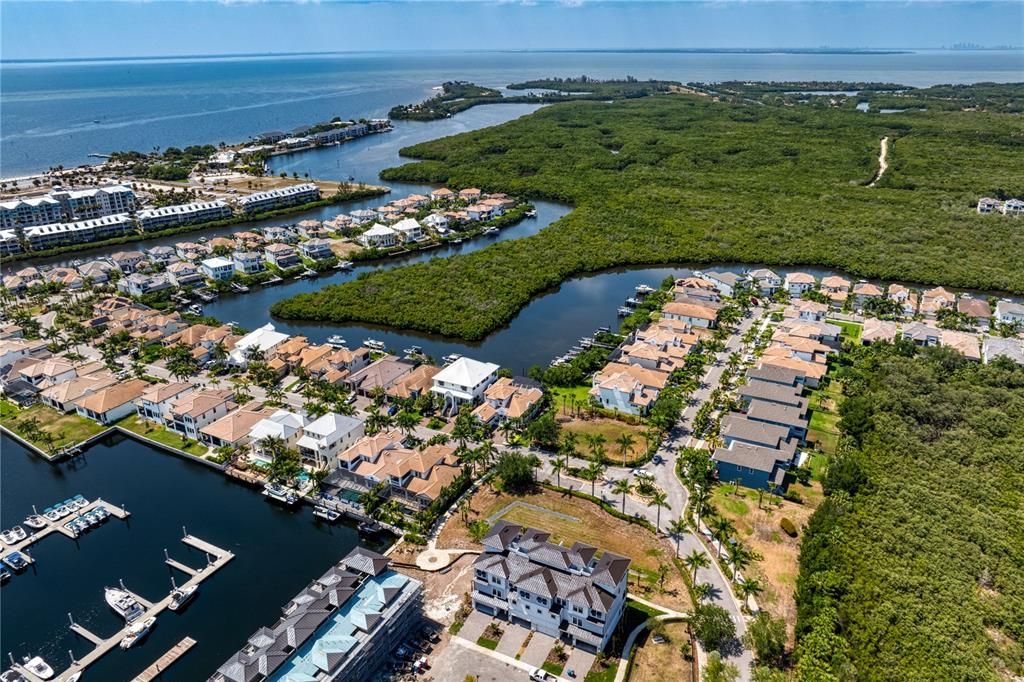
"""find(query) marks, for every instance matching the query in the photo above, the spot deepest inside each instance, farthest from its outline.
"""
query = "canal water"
(277, 552)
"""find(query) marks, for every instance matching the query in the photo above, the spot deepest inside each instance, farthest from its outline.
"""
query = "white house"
(325, 437)
(766, 281)
(264, 339)
(409, 230)
(436, 221)
(281, 255)
(799, 282)
(217, 268)
(1008, 312)
(247, 262)
(283, 424)
(155, 403)
(464, 381)
(316, 249)
(725, 282)
(194, 410)
(378, 237)
(1013, 207)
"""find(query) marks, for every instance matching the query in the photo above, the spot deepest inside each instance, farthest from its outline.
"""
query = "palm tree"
(740, 557)
(659, 500)
(695, 560)
(702, 592)
(625, 442)
(678, 529)
(596, 442)
(488, 453)
(749, 588)
(570, 444)
(722, 529)
(622, 487)
(557, 465)
(594, 471)
(700, 501)
(407, 421)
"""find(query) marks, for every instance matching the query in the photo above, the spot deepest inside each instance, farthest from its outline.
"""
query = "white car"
(642, 473)
(542, 676)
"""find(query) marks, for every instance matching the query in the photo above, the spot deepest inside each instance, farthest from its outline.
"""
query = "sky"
(33, 29)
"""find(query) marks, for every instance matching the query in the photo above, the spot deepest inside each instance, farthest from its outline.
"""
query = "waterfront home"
(21, 213)
(127, 261)
(436, 221)
(277, 233)
(247, 262)
(463, 381)
(342, 627)
(567, 593)
(337, 366)
(976, 309)
(10, 244)
(259, 202)
(726, 282)
(20, 392)
(232, 430)
(260, 341)
(906, 298)
(96, 271)
(40, 237)
(693, 314)
(162, 255)
(363, 215)
(138, 284)
(798, 283)
(339, 223)
(246, 239)
(765, 281)
(112, 403)
(1008, 312)
(480, 211)
(155, 402)
(281, 255)
(989, 205)
(631, 389)
(836, 288)
(875, 330)
(65, 277)
(218, 269)
(1013, 207)
(282, 425)
(222, 159)
(966, 344)
(30, 274)
(505, 399)
(997, 347)
(316, 249)
(442, 194)
(934, 300)
(184, 273)
(85, 204)
(62, 396)
(864, 292)
(222, 245)
(752, 466)
(48, 371)
(195, 409)
(802, 309)
(378, 237)
(470, 194)
(154, 219)
(323, 438)
(922, 334)
(415, 383)
(415, 477)
(294, 142)
(380, 374)
(15, 285)
(408, 230)
(191, 251)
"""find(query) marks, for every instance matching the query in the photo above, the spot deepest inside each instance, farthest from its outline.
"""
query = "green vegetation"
(171, 164)
(455, 96)
(488, 643)
(161, 435)
(48, 429)
(914, 562)
(677, 178)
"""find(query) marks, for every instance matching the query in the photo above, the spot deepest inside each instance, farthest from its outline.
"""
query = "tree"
(751, 587)
(663, 571)
(180, 362)
(678, 529)
(515, 471)
(558, 464)
(702, 592)
(478, 529)
(712, 625)
(285, 463)
(721, 530)
(659, 500)
(407, 421)
(544, 431)
(622, 487)
(694, 560)
(593, 472)
(766, 636)
(625, 442)
(596, 441)
(740, 557)
(717, 670)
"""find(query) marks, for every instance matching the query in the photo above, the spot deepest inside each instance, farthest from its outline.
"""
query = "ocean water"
(59, 112)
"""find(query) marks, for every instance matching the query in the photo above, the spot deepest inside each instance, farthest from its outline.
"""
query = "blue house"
(753, 466)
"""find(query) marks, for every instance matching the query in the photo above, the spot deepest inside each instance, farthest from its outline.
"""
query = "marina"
(161, 664)
(12, 550)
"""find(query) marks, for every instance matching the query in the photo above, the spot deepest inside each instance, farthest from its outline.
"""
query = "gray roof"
(773, 374)
(751, 456)
(774, 413)
(501, 535)
(365, 561)
(736, 426)
(776, 393)
(995, 347)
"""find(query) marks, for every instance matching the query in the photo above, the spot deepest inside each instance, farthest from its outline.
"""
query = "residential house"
(906, 298)
(836, 288)
(62, 396)
(795, 418)
(798, 283)
(864, 292)
(191, 251)
(128, 261)
(977, 309)
(195, 409)
(770, 392)
(738, 428)
(283, 425)
(1009, 312)
(567, 593)
(316, 249)
(752, 466)
(65, 277)
(989, 205)
(1013, 207)
(469, 194)
(934, 300)
(997, 347)
(693, 314)
(727, 283)
(97, 271)
(311, 229)
(323, 438)
(262, 340)
(380, 374)
(875, 330)
(442, 194)
(802, 309)
(48, 371)
(232, 430)
(415, 383)
(962, 342)
(765, 281)
(409, 230)
(464, 381)
(184, 273)
(247, 262)
(505, 399)
(922, 334)
(415, 477)
(334, 368)
(162, 255)
(378, 237)
(218, 269)
(112, 403)
(281, 255)
(138, 284)
(155, 402)
(12, 349)
(627, 388)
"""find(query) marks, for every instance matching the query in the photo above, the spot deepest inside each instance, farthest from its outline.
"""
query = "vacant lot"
(162, 435)
(569, 519)
(65, 429)
(663, 662)
(612, 430)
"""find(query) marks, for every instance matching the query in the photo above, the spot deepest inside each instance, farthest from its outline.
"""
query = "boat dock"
(216, 559)
(58, 527)
(161, 664)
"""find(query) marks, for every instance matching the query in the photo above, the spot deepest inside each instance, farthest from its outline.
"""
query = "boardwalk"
(58, 527)
(161, 664)
(216, 557)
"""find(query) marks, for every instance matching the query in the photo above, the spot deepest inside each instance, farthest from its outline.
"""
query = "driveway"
(474, 626)
(580, 662)
(512, 641)
(458, 662)
(537, 650)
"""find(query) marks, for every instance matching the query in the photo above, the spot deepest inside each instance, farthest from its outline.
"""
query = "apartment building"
(259, 202)
(152, 219)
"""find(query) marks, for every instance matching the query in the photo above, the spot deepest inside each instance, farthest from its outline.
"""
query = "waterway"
(277, 552)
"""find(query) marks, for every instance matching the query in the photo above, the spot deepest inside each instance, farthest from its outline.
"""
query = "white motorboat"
(643, 290)
(449, 359)
(123, 603)
(374, 344)
(12, 676)
(137, 633)
(74, 678)
(38, 667)
(62, 510)
(80, 502)
(344, 265)
(335, 341)
(102, 513)
(275, 491)
(491, 230)
(51, 514)
(182, 596)
(14, 535)
(326, 514)
(35, 521)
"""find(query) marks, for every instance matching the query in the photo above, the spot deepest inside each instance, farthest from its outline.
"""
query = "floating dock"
(58, 527)
(216, 559)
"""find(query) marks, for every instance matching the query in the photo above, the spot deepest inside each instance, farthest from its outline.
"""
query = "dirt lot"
(343, 248)
(661, 662)
(569, 519)
(759, 530)
(442, 591)
(612, 430)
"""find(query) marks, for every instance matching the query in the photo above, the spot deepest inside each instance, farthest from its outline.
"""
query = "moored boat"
(137, 633)
(16, 561)
(80, 502)
(123, 603)
(182, 596)
(326, 514)
(35, 521)
(38, 667)
(335, 341)
(51, 514)
(370, 528)
(14, 535)
(13, 676)
(374, 344)
(279, 493)
(5, 575)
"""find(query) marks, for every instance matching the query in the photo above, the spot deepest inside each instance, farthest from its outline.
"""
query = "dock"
(217, 558)
(58, 527)
(161, 664)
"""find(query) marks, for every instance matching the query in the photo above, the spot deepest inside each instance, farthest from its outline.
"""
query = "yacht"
(343, 265)
(335, 341)
(12, 676)
(413, 350)
(278, 492)
(195, 309)
(35, 521)
(326, 514)
(374, 344)
(38, 667)
(643, 290)
(531, 213)
(240, 288)
(182, 596)
(137, 633)
(491, 230)
(101, 512)
(370, 528)
(123, 603)
(14, 535)
(624, 312)
(16, 561)
(632, 302)
(80, 502)
(51, 514)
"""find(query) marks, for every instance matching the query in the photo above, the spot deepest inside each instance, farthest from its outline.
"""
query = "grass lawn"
(663, 662)
(569, 519)
(581, 394)
(486, 643)
(152, 431)
(553, 668)
(66, 429)
(850, 330)
(7, 409)
(612, 430)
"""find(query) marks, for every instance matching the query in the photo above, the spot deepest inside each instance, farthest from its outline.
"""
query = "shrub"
(788, 526)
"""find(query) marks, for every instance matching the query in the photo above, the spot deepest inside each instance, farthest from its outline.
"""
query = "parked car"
(642, 473)
(542, 676)
(658, 459)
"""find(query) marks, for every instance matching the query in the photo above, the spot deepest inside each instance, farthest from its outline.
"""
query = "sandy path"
(882, 165)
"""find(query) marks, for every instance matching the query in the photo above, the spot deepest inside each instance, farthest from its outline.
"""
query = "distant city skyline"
(135, 29)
